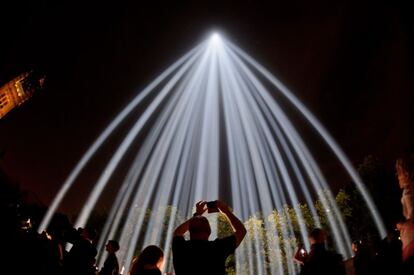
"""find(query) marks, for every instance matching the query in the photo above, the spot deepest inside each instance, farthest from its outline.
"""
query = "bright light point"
(215, 36)
(215, 39)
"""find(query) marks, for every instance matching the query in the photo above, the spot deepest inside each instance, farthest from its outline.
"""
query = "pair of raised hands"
(211, 206)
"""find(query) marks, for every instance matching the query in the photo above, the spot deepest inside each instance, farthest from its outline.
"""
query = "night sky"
(350, 62)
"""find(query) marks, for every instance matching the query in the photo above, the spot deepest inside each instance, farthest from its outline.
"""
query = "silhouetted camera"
(212, 207)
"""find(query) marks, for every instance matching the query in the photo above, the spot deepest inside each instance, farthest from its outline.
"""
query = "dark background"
(350, 62)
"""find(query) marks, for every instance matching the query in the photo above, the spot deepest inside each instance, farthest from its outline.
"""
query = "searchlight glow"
(215, 103)
(215, 39)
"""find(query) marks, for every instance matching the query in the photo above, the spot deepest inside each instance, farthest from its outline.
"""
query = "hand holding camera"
(212, 207)
(200, 208)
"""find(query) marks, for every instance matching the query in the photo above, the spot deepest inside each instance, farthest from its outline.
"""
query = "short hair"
(114, 244)
(318, 235)
(150, 255)
(199, 224)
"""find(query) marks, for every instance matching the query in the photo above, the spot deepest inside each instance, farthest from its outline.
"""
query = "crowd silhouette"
(31, 253)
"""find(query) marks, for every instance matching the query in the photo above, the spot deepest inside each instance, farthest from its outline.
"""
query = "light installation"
(212, 126)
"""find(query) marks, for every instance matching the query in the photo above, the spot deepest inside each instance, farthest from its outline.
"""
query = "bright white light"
(215, 39)
(215, 36)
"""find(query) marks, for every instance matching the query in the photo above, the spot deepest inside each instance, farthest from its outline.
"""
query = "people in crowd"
(149, 262)
(405, 174)
(361, 260)
(54, 243)
(81, 259)
(387, 258)
(198, 255)
(111, 266)
(319, 260)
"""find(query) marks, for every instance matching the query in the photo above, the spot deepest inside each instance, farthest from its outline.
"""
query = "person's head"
(405, 169)
(199, 228)
(88, 233)
(151, 257)
(112, 246)
(317, 236)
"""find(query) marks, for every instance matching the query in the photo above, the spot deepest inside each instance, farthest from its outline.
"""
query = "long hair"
(150, 256)
(406, 163)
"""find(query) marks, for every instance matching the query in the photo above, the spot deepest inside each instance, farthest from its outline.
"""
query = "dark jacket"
(323, 262)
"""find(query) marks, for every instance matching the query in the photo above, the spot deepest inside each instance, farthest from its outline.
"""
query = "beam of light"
(147, 185)
(307, 161)
(119, 154)
(128, 187)
(326, 137)
(104, 136)
(215, 116)
(257, 164)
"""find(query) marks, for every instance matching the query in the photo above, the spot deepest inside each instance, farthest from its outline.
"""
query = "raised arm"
(236, 224)
(181, 229)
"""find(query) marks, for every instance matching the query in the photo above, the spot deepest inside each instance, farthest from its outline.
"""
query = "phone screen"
(212, 206)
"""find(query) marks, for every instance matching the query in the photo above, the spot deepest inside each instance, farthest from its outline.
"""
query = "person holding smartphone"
(300, 255)
(319, 260)
(198, 255)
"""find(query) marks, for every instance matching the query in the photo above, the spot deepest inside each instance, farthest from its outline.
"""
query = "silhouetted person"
(361, 259)
(50, 254)
(320, 261)
(53, 243)
(405, 173)
(199, 255)
(388, 255)
(81, 258)
(111, 266)
(149, 262)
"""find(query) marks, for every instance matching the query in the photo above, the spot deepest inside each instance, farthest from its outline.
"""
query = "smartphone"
(212, 207)
(301, 254)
